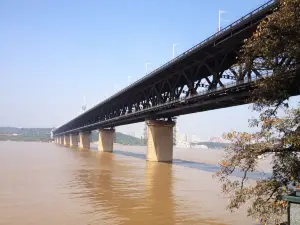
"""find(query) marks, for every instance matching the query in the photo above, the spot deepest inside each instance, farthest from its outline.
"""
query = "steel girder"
(183, 84)
(180, 86)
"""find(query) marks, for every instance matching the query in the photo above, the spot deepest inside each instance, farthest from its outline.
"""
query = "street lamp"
(146, 67)
(83, 107)
(128, 80)
(115, 88)
(174, 45)
(220, 12)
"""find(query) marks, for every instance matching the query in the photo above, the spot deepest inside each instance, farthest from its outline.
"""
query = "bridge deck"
(230, 95)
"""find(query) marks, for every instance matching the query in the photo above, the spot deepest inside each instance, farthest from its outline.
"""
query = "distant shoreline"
(44, 141)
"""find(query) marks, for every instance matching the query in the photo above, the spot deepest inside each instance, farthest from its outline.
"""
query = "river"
(46, 184)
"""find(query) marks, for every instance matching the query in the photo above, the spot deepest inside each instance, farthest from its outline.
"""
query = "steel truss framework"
(186, 88)
(204, 72)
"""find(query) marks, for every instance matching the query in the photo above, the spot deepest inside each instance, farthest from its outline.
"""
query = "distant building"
(216, 139)
(182, 144)
(195, 138)
(199, 146)
(179, 136)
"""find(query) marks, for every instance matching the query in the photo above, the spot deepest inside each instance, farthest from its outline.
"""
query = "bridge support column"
(73, 140)
(84, 140)
(61, 140)
(106, 140)
(66, 140)
(160, 141)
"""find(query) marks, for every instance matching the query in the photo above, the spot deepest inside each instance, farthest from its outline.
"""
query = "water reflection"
(199, 166)
(159, 193)
(120, 192)
(131, 154)
(125, 194)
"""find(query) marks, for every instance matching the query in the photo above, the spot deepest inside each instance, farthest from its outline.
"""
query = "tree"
(275, 46)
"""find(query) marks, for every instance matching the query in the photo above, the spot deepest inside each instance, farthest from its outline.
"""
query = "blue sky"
(52, 53)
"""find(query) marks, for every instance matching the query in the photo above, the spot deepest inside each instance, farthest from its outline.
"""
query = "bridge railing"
(202, 93)
(182, 99)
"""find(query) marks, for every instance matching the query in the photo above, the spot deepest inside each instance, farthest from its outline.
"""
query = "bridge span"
(203, 78)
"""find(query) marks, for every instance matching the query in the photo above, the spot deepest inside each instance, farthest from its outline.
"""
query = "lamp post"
(115, 88)
(146, 67)
(83, 107)
(220, 12)
(173, 55)
(128, 80)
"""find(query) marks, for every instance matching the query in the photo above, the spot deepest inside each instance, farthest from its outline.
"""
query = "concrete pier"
(84, 140)
(61, 140)
(66, 140)
(160, 141)
(106, 140)
(73, 140)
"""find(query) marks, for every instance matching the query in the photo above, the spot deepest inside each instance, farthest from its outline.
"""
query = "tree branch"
(244, 177)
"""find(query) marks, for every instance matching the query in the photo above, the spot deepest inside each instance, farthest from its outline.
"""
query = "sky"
(55, 52)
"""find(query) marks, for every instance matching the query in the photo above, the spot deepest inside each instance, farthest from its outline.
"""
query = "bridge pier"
(66, 140)
(106, 140)
(160, 140)
(61, 140)
(73, 140)
(84, 140)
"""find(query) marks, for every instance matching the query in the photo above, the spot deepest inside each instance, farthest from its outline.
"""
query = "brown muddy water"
(46, 184)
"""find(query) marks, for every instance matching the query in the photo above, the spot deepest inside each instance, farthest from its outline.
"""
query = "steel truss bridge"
(203, 78)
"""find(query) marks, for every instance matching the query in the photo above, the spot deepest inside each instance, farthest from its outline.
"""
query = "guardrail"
(202, 93)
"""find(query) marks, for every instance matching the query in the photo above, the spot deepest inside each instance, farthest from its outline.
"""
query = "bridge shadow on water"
(197, 165)
(130, 154)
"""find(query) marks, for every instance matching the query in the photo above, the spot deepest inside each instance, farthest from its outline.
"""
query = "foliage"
(24, 138)
(121, 138)
(43, 134)
(127, 139)
(25, 134)
(274, 46)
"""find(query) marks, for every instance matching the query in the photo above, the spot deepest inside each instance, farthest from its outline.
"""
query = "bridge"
(203, 78)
